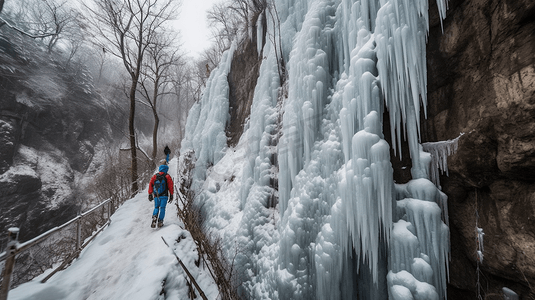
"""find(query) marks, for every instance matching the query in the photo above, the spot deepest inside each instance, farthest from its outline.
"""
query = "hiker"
(167, 151)
(160, 190)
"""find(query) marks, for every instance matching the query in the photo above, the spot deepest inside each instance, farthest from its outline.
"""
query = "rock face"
(481, 82)
(242, 85)
(241, 89)
(51, 120)
(7, 145)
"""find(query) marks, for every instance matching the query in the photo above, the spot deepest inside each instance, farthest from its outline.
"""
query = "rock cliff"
(481, 82)
(51, 121)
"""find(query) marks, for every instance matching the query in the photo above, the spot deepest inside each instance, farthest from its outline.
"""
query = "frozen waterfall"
(336, 226)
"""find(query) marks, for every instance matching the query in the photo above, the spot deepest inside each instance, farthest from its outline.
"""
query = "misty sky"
(193, 25)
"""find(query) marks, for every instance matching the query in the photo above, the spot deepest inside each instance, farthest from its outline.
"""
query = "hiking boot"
(160, 223)
(154, 219)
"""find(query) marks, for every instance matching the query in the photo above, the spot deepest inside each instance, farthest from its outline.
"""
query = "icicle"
(309, 128)
(259, 34)
(400, 38)
(439, 156)
(480, 235)
(509, 294)
(442, 7)
(480, 249)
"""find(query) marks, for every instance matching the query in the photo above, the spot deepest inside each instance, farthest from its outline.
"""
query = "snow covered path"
(128, 260)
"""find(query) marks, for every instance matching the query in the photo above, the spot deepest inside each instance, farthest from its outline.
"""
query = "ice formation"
(306, 204)
(439, 156)
(480, 235)
(509, 294)
(205, 126)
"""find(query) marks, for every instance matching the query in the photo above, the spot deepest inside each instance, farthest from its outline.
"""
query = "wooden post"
(13, 235)
(78, 233)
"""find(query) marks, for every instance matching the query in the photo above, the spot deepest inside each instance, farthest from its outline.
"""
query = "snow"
(20, 170)
(128, 260)
(49, 167)
(404, 286)
(480, 244)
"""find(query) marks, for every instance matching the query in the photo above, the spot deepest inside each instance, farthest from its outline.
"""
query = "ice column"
(308, 70)
(205, 127)
(419, 249)
(366, 194)
(305, 191)
(366, 184)
(257, 238)
(400, 34)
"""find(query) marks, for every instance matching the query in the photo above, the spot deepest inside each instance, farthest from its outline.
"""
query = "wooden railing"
(54, 244)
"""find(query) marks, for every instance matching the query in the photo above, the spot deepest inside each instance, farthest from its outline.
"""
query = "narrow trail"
(128, 260)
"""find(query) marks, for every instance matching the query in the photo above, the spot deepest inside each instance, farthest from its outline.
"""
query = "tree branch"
(33, 36)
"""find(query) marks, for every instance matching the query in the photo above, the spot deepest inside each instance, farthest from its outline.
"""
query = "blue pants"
(159, 206)
(167, 157)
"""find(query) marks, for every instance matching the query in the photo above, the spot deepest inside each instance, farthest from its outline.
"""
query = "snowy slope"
(128, 260)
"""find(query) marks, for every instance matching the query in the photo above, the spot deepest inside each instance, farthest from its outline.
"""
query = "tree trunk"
(155, 135)
(133, 135)
(156, 118)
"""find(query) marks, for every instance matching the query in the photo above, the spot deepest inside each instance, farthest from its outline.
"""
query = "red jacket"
(169, 183)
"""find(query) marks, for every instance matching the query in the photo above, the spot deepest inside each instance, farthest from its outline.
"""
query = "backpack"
(160, 185)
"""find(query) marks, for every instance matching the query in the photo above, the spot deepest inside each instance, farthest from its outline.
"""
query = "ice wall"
(317, 214)
(207, 119)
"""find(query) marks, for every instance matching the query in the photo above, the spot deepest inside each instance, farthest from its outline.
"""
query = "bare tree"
(183, 84)
(50, 21)
(157, 78)
(126, 28)
(224, 24)
(37, 34)
(277, 43)
(231, 18)
(54, 17)
(203, 66)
